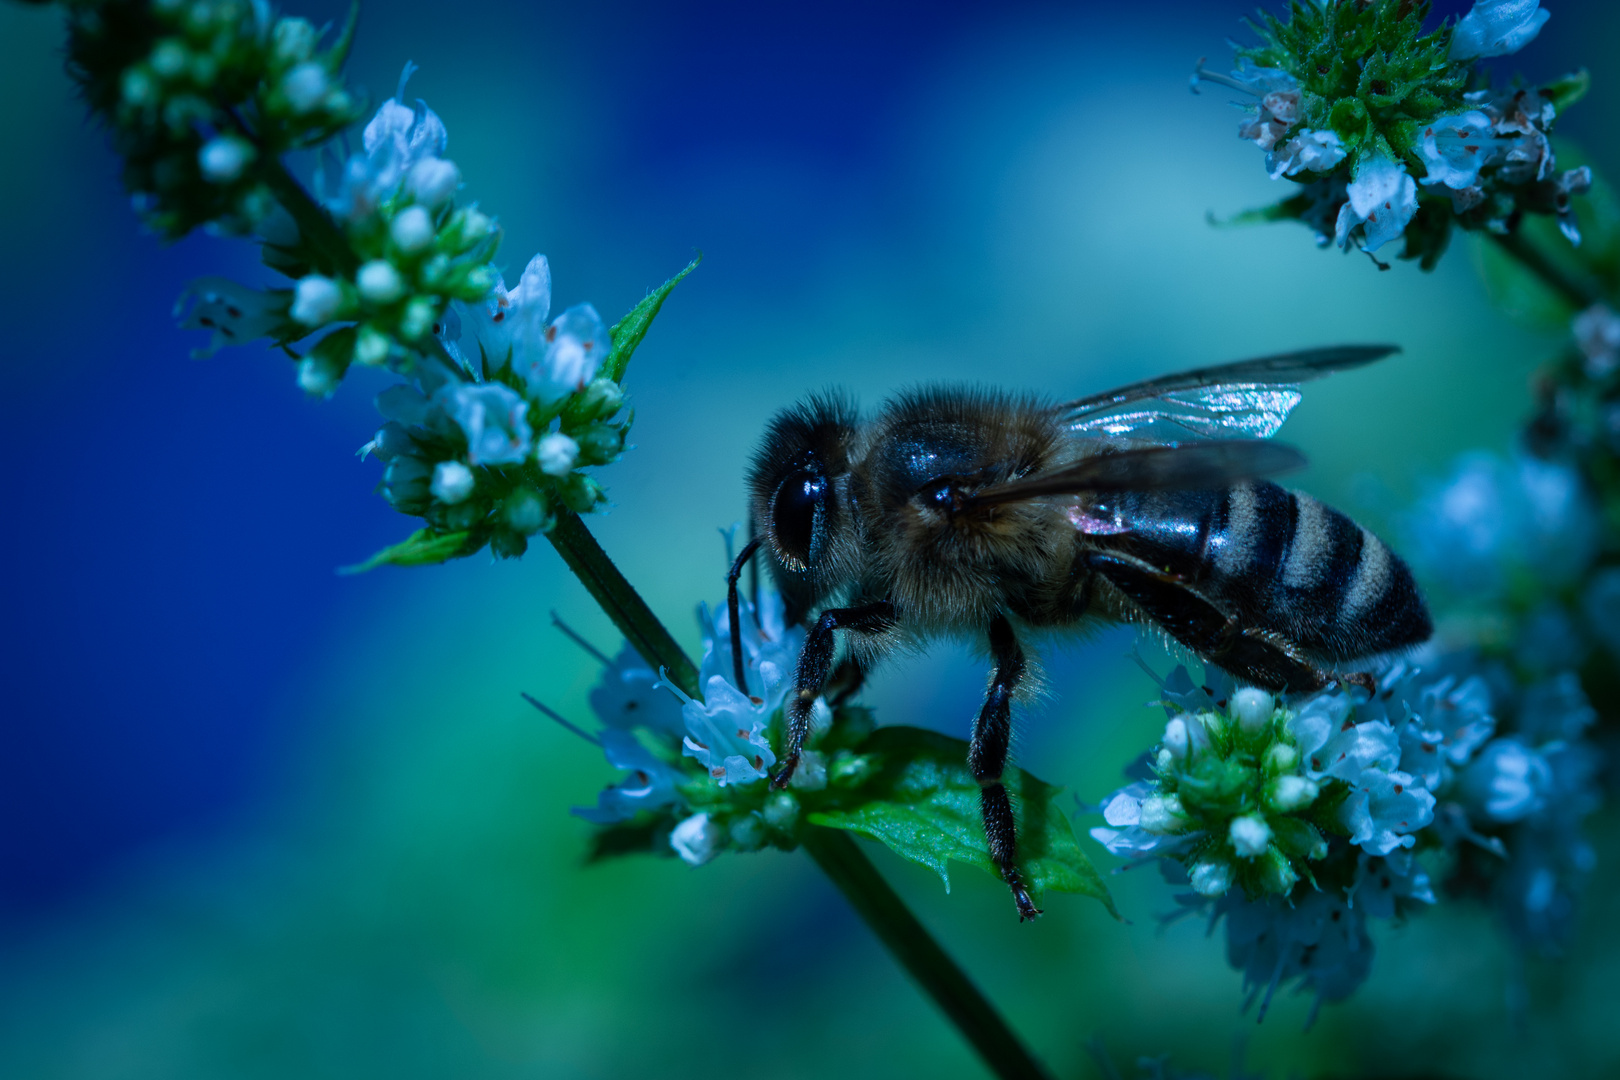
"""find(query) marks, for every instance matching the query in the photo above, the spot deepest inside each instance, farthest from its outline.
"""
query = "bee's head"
(796, 496)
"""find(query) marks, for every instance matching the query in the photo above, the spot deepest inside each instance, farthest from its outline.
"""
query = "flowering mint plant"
(503, 406)
(697, 770)
(1394, 132)
(1298, 821)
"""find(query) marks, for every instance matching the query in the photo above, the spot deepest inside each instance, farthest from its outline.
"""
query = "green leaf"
(923, 803)
(421, 548)
(1568, 90)
(628, 331)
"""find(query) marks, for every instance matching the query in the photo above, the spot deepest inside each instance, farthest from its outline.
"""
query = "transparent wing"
(1249, 399)
(1151, 468)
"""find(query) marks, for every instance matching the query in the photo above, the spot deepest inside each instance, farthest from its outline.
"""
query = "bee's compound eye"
(794, 511)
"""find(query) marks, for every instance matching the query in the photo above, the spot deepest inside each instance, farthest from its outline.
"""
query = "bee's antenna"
(732, 609)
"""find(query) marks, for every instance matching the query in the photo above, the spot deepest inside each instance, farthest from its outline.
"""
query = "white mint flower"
(1497, 28)
(1309, 151)
(493, 417)
(770, 647)
(630, 695)
(650, 785)
(557, 453)
(696, 840)
(452, 482)
(495, 322)
(1455, 148)
(396, 140)
(1507, 782)
(235, 313)
(223, 158)
(316, 300)
(569, 352)
(726, 734)
(1317, 939)
(1384, 810)
(1382, 199)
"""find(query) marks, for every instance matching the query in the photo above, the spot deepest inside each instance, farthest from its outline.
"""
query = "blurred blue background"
(260, 820)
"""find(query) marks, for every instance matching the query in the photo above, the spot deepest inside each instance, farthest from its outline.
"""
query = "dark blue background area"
(172, 526)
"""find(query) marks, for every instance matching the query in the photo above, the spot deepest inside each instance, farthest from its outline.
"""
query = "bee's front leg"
(987, 758)
(815, 664)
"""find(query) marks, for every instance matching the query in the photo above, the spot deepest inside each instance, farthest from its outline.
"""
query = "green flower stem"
(832, 849)
(842, 860)
(1578, 289)
(620, 600)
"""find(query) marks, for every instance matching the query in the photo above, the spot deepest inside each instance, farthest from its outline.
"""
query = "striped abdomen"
(1281, 561)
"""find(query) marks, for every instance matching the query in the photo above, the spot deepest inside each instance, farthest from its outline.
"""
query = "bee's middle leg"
(987, 758)
(815, 664)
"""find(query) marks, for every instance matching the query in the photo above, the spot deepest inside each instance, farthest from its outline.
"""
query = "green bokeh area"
(412, 899)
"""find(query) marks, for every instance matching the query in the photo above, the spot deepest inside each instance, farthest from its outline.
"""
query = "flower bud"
(379, 282)
(223, 158)
(580, 493)
(525, 512)
(420, 315)
(1276, 874)
(452, 482)
(392, 441)
(781, 811)
(472, 284)
(507, 544)
(811, 775)
(371, 347)
(1299, 838)
(1163, 759)
(305, 86)
(1250, 835)
(138, 87)
(1281, 759)
(1176, 740)
(600, 444)
(435, 273)
(557, 454)
(169, 58)
(1211, 877)
(316, 301)
(466, 228)
(432, 181)
(293, 40)
(318, 375)
(1162, 814)
(1252, 708)
(696, 840)
(1287, 794)
(412, 230)
(405, 484)
(747, 832)
(600, 399)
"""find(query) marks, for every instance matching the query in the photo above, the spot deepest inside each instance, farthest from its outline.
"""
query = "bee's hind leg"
(987, 758)
(815, 664)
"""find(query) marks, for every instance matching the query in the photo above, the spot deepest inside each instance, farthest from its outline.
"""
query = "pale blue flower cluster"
(725, 735)
(1350, 794)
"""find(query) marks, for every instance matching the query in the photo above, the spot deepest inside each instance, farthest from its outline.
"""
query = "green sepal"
(923, 803)
(1568, 90)
(628, 331)
(422, 548)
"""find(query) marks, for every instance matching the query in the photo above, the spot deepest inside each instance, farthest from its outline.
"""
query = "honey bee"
(966, 512)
